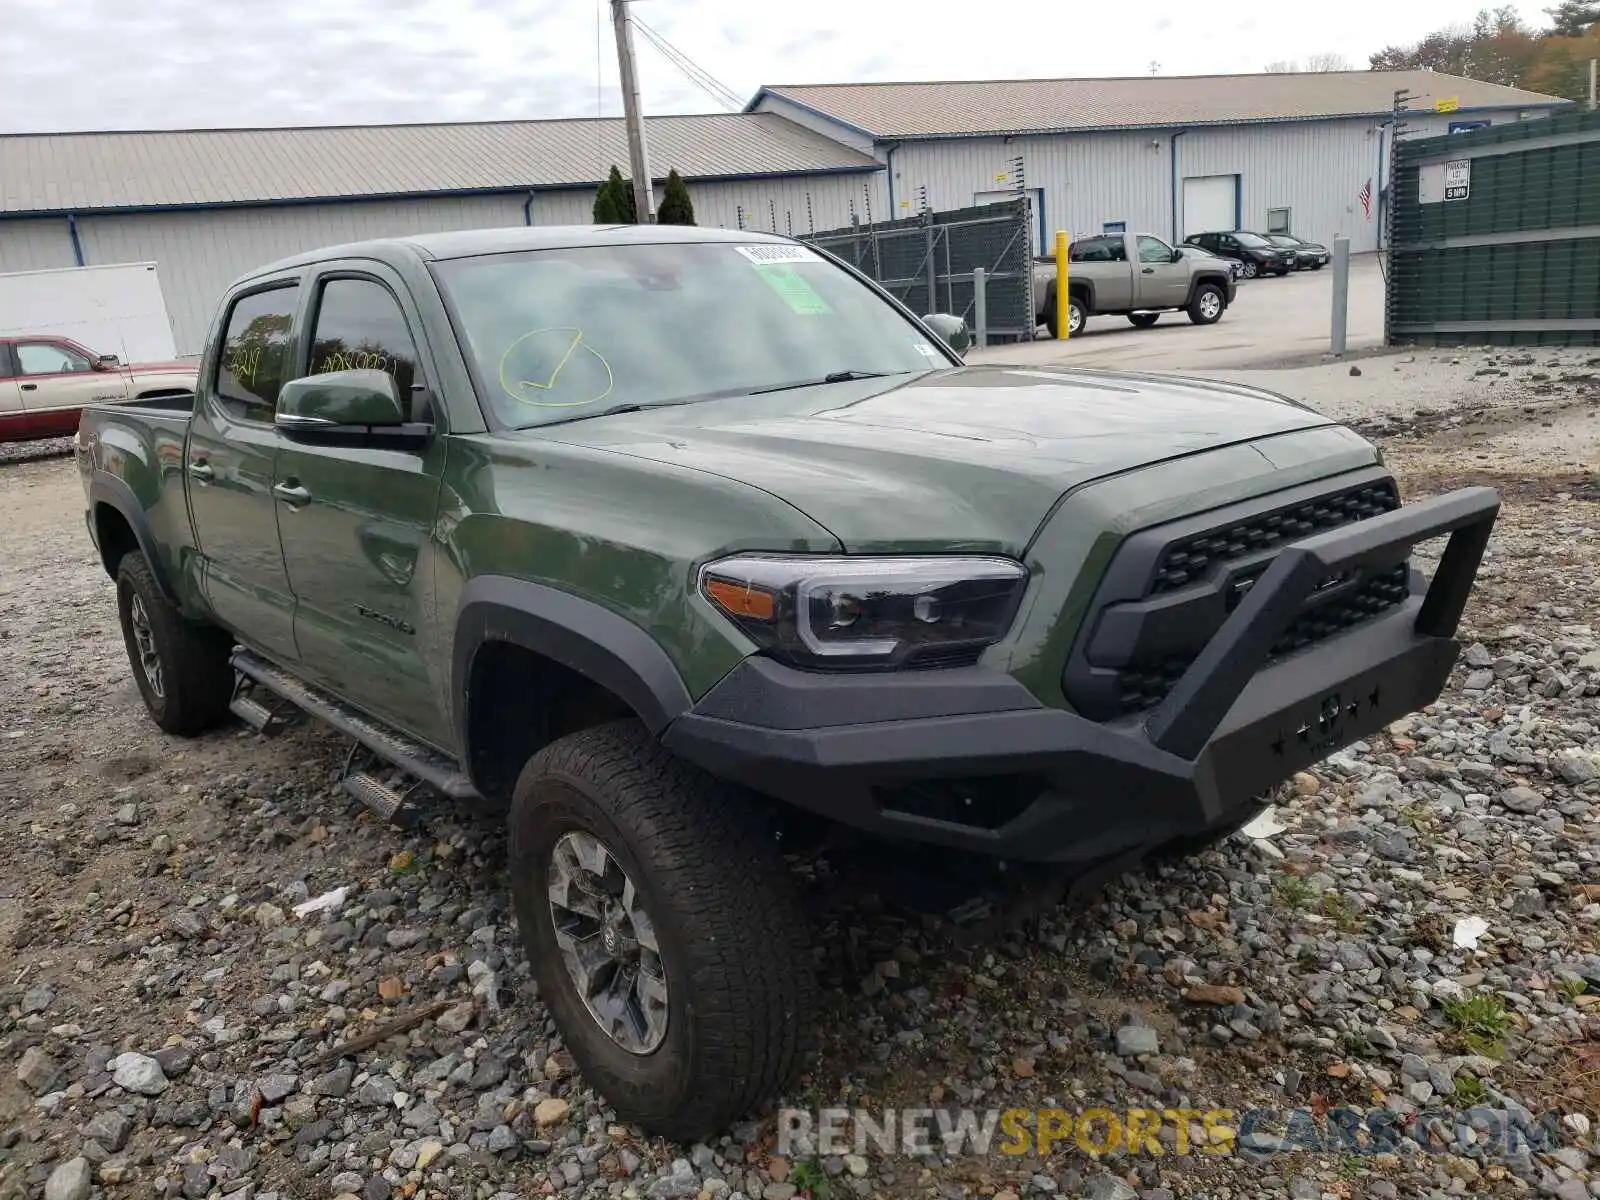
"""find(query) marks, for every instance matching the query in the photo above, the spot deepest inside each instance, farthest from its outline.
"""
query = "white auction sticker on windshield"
(777, 253)
(924, 349)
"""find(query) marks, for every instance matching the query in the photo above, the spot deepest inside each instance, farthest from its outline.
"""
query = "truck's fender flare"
(1073, 285)
(1199, 281)
(577, 633)
(116, 495)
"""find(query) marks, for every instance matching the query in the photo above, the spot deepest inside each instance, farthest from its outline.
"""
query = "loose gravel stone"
(1424, 929)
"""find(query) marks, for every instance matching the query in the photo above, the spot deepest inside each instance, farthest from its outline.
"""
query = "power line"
(696, 74)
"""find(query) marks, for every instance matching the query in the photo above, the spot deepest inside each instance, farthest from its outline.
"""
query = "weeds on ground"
(1482, 1022)
(810, 1179)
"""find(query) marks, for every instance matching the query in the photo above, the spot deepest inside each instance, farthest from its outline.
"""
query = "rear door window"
(256, 353)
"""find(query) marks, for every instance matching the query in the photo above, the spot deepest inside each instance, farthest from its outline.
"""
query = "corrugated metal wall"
(35, 245)
(791, 207)
(1316, 169)
(199, 253)
(1496, 236)
(1086, 179)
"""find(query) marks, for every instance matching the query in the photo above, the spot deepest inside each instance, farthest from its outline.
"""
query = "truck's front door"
(357, 523)
(56, 376)
(1161, 282)
(232, 452)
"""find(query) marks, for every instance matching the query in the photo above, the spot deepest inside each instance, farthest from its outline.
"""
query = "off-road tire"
(1204, 311)
(1143, 320)
(196, 676)
(740, 983)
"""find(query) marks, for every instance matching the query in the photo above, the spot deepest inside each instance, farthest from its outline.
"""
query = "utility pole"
(644, 196)
(1593, 73)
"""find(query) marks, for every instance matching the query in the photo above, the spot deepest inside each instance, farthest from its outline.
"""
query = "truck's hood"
(972, 458)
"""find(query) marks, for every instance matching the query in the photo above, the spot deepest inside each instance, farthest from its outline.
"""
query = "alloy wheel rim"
(1249, 270)
(144, 641)
(607, 942)
(1209, 305)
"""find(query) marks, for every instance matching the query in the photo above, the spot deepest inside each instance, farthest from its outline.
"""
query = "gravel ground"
(166, 1012)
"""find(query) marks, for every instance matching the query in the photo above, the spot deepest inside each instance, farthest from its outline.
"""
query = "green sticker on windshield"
(799, 295)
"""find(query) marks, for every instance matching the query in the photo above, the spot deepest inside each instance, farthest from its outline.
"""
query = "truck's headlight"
(852, 613)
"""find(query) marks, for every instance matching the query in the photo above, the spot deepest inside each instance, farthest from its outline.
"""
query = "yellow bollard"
(1063, 332)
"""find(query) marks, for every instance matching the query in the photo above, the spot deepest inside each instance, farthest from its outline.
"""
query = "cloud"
(110, 64)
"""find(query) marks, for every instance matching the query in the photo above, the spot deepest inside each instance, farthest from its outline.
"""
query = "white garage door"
(1210, 203)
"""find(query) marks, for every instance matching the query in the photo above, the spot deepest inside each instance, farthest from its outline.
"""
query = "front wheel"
(181, 668)
(1206, 307)
(1143, 320)
(662, 928)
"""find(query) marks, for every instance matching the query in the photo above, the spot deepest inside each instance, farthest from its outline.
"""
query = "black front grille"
(1192, 558)
(1169, 589)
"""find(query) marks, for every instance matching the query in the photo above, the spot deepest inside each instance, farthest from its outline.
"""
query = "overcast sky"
(162, 64)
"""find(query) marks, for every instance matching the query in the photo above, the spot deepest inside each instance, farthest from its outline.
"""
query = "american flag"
(1365, 196)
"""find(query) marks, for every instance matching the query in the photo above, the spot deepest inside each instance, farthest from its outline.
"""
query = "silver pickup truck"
(1137, 274)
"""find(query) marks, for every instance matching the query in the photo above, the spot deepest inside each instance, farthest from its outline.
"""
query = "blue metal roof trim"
(130, 210)
(1058, 130)
(816, 112)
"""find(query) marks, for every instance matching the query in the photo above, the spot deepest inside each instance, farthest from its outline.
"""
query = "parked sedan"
(1235, 267)
(45, 382)
(1308, 255)
(1259, 256)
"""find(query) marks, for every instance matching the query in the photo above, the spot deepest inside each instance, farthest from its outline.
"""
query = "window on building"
(360, 327)
(256, 350)
(50, 358)
(1277, 220)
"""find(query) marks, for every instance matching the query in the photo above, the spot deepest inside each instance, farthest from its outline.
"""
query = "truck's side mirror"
(952, 331)
(106, 362)
(368, 398)
(358, 407)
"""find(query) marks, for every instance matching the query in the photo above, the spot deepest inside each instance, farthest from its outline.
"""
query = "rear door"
(11, 416)
(232, 454)
(1161, 282)
(357, 521)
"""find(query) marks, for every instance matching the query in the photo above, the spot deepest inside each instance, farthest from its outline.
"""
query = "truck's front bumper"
(969, 758)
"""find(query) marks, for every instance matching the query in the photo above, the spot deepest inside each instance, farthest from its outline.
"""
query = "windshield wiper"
(834, 377)
(603, 412)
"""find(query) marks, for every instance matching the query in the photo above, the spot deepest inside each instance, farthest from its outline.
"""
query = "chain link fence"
(927, 261)
(1495, 236)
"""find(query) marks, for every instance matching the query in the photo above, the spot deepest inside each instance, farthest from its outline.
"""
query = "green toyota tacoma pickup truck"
(658, 534)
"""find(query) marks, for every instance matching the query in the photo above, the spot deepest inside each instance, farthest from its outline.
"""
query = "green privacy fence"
(1495, 236)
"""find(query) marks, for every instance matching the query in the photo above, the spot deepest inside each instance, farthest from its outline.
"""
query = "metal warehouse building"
(207, 206)
(1174, 155)
(1166, 155)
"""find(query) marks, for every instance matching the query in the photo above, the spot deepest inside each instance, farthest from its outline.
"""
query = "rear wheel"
(181, 668)
(1143, 320)
(1250, 269)
(662, 928)
(1207, 304)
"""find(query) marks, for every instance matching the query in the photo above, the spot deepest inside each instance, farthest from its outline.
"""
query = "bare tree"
(1314, 63)
(1328, 62)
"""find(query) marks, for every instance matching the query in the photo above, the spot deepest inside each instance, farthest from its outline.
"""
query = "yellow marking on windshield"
(516, 388)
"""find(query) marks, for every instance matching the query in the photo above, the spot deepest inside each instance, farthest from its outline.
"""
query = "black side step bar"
(414, 759)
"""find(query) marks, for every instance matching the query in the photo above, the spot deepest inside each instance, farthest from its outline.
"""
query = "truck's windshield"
(565, 332)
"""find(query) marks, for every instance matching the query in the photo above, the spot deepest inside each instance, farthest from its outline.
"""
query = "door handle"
(292, 494)
(201, 470)
(29, 387)
(1148, 271)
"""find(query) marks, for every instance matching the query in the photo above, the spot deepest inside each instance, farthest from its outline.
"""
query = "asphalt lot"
(1272, 322)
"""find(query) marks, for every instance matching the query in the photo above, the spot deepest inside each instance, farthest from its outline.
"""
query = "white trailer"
(117, 309)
